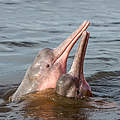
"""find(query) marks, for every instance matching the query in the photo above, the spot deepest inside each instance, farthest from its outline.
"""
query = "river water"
(27, 26)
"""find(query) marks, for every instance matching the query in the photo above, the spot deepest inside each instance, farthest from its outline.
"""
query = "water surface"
(27, 26)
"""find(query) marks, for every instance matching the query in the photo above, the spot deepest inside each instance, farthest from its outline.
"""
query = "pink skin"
(85, 89)
(77, 67)
(48, 66)
(73, 83)
(64, 50)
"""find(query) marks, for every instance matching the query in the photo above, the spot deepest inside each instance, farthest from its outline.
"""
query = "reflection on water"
(48, 105)
(27, 26)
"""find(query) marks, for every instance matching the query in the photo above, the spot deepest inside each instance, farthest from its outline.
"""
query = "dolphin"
(73, 83)
(48, 66)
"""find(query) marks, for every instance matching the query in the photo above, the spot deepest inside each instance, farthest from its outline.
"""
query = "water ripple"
(101, 75)
(103, 58)
(99, 25)
(115, 23)
(19, 44)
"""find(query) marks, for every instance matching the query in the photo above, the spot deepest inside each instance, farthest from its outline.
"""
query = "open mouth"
(62, 51)
(77, 66)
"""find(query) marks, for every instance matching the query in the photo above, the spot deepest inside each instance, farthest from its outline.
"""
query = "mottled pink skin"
(48, 66)
(85, 89)
(73, 84)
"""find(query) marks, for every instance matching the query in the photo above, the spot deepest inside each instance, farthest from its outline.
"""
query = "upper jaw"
(62, 51)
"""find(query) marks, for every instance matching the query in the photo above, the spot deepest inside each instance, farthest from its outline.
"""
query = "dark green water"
(27, 26)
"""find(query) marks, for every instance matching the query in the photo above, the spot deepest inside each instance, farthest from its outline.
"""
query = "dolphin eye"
(78, 92)
(47, 65)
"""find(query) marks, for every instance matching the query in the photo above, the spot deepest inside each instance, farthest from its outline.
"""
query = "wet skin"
(48, 66)
(73, 84)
